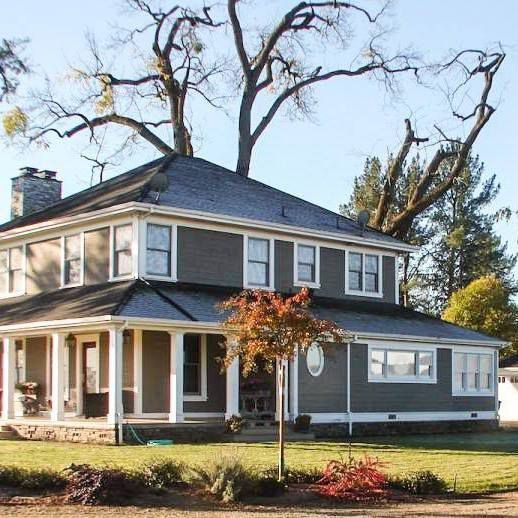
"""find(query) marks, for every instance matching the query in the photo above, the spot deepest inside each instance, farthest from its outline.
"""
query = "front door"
(95, 403)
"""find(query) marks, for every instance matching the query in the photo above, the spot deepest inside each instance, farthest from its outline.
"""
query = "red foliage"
(354, 480)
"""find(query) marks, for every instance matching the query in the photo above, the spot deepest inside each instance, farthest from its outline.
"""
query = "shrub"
(93, 486)
(36, 479)
(234, 424)
(302, 423)
(420, 483)
(265, 483)
(225, 477)
(161, 473)
(354, 480)
(302, 476)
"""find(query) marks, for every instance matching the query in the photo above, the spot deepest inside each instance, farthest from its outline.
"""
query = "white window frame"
(363, 292)
(202, 396)
(18, 293)
(134, 250)
(80, 341)
(174, 250)
(82, 260)
(470, 392)
(271, 259)
(404, 347)
(296, 281)
(23, 370)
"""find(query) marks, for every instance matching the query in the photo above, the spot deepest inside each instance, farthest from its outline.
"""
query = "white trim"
(91, 338)
(8, 376)
(135, 245)
(115, 359)
(383, 417)
(23, 371)
(176, 377)
(396, 277)
(363, 292)
(271, 259)
(57, 411)
(202, 396)
(350, 429)
(48, 361)
(206, 415)
(130, 275)
(296, 281)
(137, 371)
(327, 417)
(174, 249)
(232, 383)
(383, 346)
(294, 385)
(79, 378)
(81, 236)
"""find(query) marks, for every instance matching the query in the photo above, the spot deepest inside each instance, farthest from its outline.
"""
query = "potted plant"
(302, 423)
(234, 424)
(26, 398)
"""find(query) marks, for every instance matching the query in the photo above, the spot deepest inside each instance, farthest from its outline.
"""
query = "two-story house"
(108, 302)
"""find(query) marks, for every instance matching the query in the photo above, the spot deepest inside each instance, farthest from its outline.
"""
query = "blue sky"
(355, 118)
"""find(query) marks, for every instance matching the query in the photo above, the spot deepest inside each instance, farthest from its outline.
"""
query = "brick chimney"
(33, 190)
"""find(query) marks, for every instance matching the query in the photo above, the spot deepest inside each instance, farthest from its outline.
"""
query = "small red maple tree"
(270, 328)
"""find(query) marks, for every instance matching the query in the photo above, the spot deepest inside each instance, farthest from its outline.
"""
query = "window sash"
(473, 372)
(11, 270)
(363, 272)
(258, 268)
(306, 264)
(72, 260)
(122, 250)
(382, 364)
(156, 249)
(192, 366)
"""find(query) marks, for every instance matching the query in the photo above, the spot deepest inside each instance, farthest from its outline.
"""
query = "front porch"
(100, 384)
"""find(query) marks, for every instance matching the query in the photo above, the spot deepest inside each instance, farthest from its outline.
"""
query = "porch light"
(126, 337)
(69, 340)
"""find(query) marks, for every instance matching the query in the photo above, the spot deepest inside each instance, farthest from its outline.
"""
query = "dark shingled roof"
(192, 303)
(197, 184)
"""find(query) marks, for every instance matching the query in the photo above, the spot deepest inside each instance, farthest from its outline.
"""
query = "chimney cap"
(28, 171)
(46, 173)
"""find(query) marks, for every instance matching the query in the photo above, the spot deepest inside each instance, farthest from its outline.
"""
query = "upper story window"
(11, 271)
(473, 373)
(72, 260)
(401, 365)
(259, 259)
(307, 265)
(364, 274)
(158, 250)
(122, 250)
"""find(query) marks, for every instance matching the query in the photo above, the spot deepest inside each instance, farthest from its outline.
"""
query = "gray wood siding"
(156, 351)
(97, 256)
(43, 266)
(327, 392)
(216, 381)
(284, 266)
(210, 257)
(409, 397)
(36, 363)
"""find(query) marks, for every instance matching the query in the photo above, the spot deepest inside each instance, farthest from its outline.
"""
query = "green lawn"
(479, 461)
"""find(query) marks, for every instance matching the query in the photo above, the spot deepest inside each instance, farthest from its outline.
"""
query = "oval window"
(315, 359)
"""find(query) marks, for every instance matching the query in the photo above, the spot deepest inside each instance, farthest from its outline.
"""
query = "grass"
(480, 462)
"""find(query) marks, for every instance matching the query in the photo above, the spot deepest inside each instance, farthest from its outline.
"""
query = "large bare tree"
(11, 66)
(281, 62)
(141, 82)
(448, 153)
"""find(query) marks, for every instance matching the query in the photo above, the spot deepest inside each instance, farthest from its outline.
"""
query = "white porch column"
(8, 375)
(176, 378)
(232, 383)
(115, 376)
(137, 371)
(287, 405)
(57, 412)
(294, 385)
(79, 377)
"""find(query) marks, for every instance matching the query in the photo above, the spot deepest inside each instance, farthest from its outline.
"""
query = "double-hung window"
(194, 367)
(401, 365)
(11, 271)
(306, 265)
(72, 260)
(258, 265)
(473, 373)
(122, 250)
(363, 275)
(158, 251)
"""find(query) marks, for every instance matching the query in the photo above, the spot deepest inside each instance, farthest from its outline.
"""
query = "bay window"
(401, 365)
(11, 271)
(473, 373)
(72, 260)
(122, 250)
(158, 250)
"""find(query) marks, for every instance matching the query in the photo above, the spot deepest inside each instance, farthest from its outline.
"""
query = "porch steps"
(7, 433)
(268, 432)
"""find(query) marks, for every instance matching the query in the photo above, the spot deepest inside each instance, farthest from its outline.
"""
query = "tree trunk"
(282, 374)
(404, 286)
(246, 143)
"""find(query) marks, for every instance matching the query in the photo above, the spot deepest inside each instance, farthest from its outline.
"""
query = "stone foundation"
(179, 433)
(341, 430)
(65, 433)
